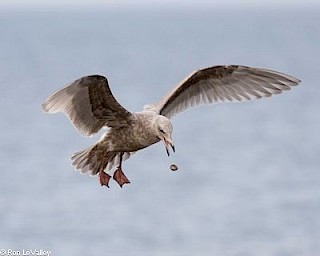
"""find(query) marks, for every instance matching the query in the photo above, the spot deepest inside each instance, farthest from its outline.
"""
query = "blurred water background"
(249, 179)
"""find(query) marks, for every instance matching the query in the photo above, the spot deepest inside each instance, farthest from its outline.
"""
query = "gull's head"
(164, 132)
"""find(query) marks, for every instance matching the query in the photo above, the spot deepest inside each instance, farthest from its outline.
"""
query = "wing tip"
(293, 80)
(48, 106)
(44, 107)
(296, 81)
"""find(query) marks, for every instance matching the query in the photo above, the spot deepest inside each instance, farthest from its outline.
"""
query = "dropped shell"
(173, 167)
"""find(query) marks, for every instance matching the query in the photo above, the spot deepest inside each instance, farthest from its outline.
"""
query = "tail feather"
(91, 160)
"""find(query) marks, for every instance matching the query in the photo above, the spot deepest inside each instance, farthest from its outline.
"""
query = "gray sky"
(83, 3)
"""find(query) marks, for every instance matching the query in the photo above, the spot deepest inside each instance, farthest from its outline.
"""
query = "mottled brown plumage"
(90, 106)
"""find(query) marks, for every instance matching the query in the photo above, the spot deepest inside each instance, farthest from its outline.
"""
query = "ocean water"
(249, 173)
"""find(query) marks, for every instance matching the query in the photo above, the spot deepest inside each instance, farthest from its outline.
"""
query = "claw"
(120, 178)
(104, 178)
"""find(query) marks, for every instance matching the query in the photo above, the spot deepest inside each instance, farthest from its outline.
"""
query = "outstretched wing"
(89, 104)
(224, 83)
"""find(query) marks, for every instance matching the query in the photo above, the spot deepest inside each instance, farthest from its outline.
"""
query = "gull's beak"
(168, 142)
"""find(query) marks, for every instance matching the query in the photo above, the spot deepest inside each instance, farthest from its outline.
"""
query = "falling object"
(173, 167)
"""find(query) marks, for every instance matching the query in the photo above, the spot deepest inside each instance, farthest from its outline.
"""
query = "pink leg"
(103, 177)
(119, 176)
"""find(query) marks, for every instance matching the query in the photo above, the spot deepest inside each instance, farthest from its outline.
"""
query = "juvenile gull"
(90, 106)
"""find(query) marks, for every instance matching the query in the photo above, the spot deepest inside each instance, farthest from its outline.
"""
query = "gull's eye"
(162, 131)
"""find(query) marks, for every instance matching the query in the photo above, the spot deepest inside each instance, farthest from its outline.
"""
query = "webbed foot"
(120, 178)
(104, 178)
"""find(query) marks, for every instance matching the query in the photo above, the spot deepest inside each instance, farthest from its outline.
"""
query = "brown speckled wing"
(222, 84)
(89, 104)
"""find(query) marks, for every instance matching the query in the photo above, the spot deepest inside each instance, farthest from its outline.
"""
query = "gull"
(90, 106)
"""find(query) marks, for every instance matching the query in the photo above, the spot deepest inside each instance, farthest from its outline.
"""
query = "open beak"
(168, 143)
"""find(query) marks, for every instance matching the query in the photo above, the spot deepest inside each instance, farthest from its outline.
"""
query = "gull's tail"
(98, 156)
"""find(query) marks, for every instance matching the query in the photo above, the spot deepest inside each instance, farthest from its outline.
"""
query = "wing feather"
(89, 104)
(224, 84)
